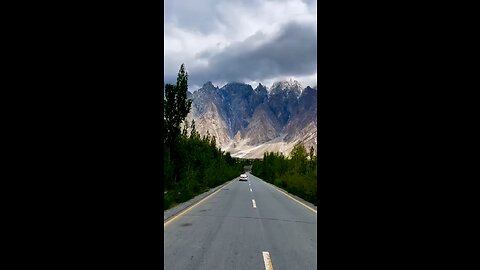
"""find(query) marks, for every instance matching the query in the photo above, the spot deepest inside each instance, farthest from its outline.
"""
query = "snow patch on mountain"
(290, 85)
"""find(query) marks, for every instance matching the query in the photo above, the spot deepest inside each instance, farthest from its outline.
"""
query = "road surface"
(245, 226)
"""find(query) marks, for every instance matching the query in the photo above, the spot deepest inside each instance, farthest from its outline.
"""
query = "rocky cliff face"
(247, 122)
(303, 115)
(263, 126)
(239, 102)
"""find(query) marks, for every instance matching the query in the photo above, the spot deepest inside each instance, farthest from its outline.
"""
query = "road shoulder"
(170, 213)
(290, 194)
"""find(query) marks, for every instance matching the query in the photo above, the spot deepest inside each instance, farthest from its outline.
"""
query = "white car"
(243, 177)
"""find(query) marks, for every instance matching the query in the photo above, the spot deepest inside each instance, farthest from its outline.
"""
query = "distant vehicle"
(243, 177)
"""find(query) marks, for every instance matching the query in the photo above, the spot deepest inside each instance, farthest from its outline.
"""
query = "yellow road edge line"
(267, 261)
(184, 211)
(310, 208)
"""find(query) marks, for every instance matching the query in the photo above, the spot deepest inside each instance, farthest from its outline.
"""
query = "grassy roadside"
(298, 186)
(175, 197)
(185, 192)
(296, 175)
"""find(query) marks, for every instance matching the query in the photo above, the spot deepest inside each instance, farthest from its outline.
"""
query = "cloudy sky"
(247, 41)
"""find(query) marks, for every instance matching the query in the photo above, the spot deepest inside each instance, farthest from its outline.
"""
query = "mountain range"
(248, 122)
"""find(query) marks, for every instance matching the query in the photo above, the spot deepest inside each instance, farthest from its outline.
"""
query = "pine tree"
(184, 130)
(311, 155)
(176, 109)
(213, 142)
(177, 106)
(193, 131)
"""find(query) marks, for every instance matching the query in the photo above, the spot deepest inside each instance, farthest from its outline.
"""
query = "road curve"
(245, 225)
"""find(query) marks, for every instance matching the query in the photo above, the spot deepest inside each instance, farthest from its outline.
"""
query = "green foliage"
(176, 107)
(299, 158)
(193, 133)
(184, 130)
(192, 164)
(228, 158)
(297, 175)
(168, 171)
(202, 166)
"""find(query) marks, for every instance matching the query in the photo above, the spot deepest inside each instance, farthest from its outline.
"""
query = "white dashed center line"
(267, 261)
(251, 190)
(254, 205)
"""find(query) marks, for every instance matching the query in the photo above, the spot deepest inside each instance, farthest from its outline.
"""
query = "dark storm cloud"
(293, 51)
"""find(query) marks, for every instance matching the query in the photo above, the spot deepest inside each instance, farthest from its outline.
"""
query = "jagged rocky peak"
(237, 87)
(260, 88)
(249, 120)
(238, 104)
(286, 86)
(205, 95)
(261, 94)
(208, 90)
(208, 86)
(235, 90)
(309, 91)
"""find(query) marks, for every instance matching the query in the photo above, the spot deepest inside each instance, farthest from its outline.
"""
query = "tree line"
(296, 174)
(192, 163)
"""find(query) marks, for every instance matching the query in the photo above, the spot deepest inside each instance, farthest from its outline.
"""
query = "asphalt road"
(227, 230)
